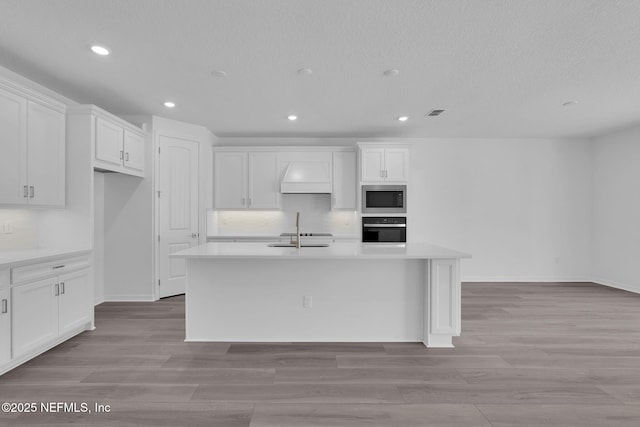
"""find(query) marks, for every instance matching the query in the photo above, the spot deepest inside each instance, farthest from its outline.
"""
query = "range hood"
(307, 177)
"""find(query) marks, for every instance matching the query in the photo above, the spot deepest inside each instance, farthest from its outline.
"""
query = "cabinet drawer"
(46, 269)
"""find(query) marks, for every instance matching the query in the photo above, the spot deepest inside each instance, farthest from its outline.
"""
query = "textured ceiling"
(499, 68)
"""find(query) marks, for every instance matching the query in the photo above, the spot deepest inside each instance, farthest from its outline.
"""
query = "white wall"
(520, 207)
(128, 237)
(616, 209)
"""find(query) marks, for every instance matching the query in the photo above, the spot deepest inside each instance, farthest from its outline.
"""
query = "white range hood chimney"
(307, 177)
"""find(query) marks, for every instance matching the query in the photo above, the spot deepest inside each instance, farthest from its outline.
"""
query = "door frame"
(205, 140)
(188, 135)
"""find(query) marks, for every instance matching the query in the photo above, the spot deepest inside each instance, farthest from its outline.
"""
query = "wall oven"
(382, 199)
(377, 229)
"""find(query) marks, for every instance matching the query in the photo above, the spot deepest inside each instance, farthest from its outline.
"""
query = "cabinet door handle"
(57, 290)
(5, 306)
(61, 288)
(194, 235)
(58, 266)
(126, 158)
(381, 174)
(25, 191)
(121, 154)
(32, 191)
(243, 201)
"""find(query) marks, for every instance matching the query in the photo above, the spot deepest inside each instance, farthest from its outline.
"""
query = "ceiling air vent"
(434, 113)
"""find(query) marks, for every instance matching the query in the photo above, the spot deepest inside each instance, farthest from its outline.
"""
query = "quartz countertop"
(28, 256)
(338, 250)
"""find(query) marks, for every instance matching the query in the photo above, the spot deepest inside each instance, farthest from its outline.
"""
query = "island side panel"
(262, 300)
(443, 304)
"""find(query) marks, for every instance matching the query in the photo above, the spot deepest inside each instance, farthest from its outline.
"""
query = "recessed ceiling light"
(169, 104)
(100, 50)
(569, 103)
(219, 73)
(292, 117)
(305, 71)
(403, 118)
(391, 72)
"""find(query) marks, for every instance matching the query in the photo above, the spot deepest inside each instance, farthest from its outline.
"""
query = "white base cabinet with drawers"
(48, 302)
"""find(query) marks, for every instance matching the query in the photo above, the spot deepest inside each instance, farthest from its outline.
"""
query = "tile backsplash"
(315, 216)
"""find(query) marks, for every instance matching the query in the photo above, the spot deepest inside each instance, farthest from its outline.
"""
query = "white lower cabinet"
(5, 325)
(72, 301)
(35, 315)
(46, 309)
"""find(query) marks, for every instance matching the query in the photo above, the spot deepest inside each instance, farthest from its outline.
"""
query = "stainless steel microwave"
(383, 199)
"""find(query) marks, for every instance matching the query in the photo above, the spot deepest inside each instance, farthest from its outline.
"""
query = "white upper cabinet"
(372, 164)
(344, 180)
(109, 143)
(264, 185)
(134, 151)
(118, 146)
(384, 164)
(230, 180)
(13, 147)
(246, 180)
(45, 155)
(32, 153)
(396, 161)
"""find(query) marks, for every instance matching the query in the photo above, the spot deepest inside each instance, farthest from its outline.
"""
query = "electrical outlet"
(7, 227)
(307, 302)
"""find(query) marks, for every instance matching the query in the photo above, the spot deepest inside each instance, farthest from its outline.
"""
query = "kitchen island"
(345, 292)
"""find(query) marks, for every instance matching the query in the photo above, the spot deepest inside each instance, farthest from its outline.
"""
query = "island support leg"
(442, 303)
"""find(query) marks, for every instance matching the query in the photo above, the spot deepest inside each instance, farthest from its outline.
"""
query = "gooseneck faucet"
(298, 230)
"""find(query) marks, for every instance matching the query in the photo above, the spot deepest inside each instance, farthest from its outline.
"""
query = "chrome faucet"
(297, 242)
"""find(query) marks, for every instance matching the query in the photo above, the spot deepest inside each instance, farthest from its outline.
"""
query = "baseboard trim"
(617, 285)
(128, 298)
(525, 279)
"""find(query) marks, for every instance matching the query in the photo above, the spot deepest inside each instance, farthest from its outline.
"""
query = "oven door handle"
(385, 225)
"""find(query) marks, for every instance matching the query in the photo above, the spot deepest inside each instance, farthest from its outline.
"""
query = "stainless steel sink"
(304, 245)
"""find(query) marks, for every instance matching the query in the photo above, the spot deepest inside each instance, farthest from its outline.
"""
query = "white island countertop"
(338, 250)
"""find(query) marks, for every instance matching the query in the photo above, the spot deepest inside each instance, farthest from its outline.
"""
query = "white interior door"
(178, 210)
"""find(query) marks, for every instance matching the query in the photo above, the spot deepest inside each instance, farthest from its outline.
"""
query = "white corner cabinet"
(49, 302)
(383, 163)
(118, 146)
(246, 180)
(32, 152)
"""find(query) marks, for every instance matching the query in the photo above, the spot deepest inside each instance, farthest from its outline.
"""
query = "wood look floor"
(530, 355)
